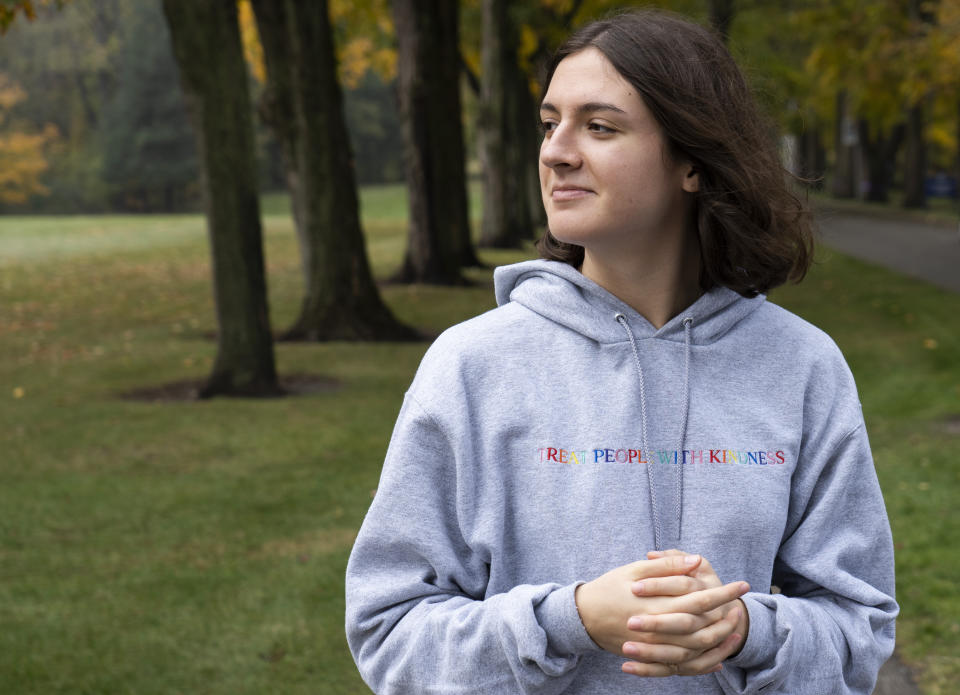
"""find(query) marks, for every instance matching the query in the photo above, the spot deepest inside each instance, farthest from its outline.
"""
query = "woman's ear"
(691, 180)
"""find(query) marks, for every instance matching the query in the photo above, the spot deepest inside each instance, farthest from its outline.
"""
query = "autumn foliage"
(22, 152)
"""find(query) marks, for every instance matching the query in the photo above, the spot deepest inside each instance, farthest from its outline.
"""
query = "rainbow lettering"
(687, 457)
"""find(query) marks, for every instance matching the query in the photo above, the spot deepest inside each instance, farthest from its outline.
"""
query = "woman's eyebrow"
(589, 107)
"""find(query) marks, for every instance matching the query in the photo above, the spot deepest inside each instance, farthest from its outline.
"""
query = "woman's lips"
(564, 194)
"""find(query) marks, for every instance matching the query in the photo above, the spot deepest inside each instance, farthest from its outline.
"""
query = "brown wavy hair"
(754, 233)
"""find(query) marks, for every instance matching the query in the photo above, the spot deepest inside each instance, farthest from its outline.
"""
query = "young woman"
(574, 475)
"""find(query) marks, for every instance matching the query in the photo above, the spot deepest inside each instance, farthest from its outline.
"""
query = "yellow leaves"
(252, 50)
(19, 392)
(8, 12)
(10, 8)
(21, 162)
(365, 40)
(368, 44)
(11, 93)
(355, 60)
(930, 343)
(942, 133)
(360, 55)
(528, 43)
(22, 154)
(882, 56)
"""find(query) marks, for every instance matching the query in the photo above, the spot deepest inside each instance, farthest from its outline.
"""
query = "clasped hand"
(669, 614)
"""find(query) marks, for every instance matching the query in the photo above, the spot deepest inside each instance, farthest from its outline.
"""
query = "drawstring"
(654, 512)
(643, 431)
(685, 413)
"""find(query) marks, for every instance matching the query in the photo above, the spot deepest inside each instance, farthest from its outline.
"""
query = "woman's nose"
(559, 148)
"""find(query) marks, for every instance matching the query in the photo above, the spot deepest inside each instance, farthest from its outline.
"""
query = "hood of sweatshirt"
(562, 294)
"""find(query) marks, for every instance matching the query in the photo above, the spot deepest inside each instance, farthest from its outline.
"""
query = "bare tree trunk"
(529, 147)
(428, 84)
(844, 184)
(506, 205)
(915, 170)
(276, 109)
(958, 155)
(206, 44)
(341, 300)
(812, 157)
(722, 13)
(923, 15)
(880, 151)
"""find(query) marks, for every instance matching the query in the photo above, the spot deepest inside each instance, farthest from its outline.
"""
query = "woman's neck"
(658, 285)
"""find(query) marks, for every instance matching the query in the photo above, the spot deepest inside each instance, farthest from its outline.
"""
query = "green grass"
(200, 547)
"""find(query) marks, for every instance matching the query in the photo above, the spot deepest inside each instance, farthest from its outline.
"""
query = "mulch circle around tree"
(188, 389)
(951, 424)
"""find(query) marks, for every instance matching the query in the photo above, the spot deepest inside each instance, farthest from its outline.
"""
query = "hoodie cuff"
(559, 618)
(760, 646)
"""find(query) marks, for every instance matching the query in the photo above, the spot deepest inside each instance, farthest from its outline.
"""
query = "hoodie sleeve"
(418, 619)
(832, 626)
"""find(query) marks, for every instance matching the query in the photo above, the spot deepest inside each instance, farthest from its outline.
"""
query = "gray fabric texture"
(518, 469)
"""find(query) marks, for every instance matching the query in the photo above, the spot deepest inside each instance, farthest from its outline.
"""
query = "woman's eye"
(547, 126)
(601, 129)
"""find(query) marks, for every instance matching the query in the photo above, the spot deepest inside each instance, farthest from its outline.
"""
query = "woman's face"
(607, 181)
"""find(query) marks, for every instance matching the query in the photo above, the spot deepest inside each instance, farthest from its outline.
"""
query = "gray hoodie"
(561, 435)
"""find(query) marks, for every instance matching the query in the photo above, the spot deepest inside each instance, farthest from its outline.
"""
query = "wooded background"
(173, 105)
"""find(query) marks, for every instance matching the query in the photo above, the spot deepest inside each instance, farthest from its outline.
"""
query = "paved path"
(927, 251)
(895, 679)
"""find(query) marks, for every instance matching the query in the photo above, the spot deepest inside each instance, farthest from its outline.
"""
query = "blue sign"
(941, 186)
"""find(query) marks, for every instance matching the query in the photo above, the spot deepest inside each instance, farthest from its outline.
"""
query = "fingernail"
(637, 587)
(628, 648)
(744, 587)
(636, 623)
(736, 614)
(691, 559)
(716, 669)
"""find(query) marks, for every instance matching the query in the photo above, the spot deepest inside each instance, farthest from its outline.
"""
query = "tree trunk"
(880, 152)
(721, 17)
(812, 157)
(923, 15)
(506, 209)
(206, 44)
(529, 147)
(341, 300)
(844, 143)
(276, 110)
(428, 85)
(915, 170)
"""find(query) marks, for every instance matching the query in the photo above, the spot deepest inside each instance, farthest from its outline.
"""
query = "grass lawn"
(200, 547)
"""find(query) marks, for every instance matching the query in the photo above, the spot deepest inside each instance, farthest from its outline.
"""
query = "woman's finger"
(673, 552)
(706, 639)
(677, 585)
(708, 661)
(679, 628)
(658, 653)
(638, 668)
(665, 566)
(700, 602)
